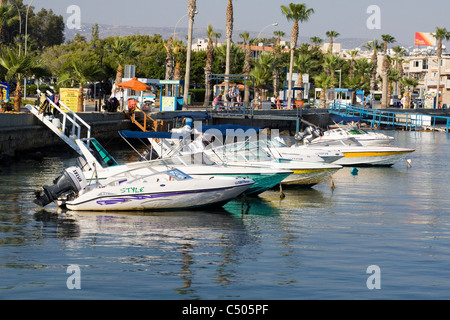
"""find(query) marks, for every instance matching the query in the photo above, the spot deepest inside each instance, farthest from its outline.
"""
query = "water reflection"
(182, 238)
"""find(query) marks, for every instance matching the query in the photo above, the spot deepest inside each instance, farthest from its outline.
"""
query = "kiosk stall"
(171, 98)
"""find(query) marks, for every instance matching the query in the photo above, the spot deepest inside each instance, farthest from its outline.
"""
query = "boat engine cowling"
(308, 135)
(71, 180)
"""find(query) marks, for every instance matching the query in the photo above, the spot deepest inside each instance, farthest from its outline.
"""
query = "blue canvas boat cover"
(156, 135)
(346, 119)
(231, 130)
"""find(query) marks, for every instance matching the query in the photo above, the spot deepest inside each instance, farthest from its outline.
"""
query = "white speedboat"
(355, 154)
(364, 137)
(299, 152)
(161, 190)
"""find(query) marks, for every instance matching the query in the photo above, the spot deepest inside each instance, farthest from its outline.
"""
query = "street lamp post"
(272, 24)
(20, 28)
(176, 25)
(340, 77)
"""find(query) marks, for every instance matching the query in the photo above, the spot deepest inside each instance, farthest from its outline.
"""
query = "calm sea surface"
(314, 244)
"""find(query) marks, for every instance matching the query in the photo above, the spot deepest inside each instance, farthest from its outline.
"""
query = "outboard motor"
(308, 135)
(72, 180)
(302, 135)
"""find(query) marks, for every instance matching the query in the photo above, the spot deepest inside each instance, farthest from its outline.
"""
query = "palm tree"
(316, 40)
(247, 63)
(409, 83)
(375, 46)
(324, 82)
(393, 77)
(363, 69)
(279, 35)
(385, 70)
(169, 59)
(277, 52)
(18, 68)
(296, 13)
(353, 55)
(441, 34)
(387, 38)
(398, 58)
(122, 50)
(355, 84)
(82, 72)
(229, 32)
(217, 36)
(331, 35)
(262, 72)
(209, 60)
(192, 7)
(304, 64)
(178, 50)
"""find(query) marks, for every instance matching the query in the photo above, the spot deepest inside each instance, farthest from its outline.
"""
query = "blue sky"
(400, 18)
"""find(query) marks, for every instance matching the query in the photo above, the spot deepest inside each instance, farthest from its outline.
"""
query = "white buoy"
(408, 163)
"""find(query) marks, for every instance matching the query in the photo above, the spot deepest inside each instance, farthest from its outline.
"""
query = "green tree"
(82, 71)
(279, 34)
(317, 41)
(363, 69)
(122, 51)
(45, 29)
(304, 64)
(8, 17)
(409, 84)
(18, 68)
(373, 46)
(262, 73)
(324, 82)
(295, 13)
(355, 84)
(398, 58)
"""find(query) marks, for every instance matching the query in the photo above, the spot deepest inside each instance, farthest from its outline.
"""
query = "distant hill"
(116, 30)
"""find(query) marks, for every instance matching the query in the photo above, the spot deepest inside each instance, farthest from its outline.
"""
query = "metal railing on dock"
(389, 118)
(69, 128)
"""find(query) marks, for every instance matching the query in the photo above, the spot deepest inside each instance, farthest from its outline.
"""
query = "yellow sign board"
(167, 104)
(69, 96)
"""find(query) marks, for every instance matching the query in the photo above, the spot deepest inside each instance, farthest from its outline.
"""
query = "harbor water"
(383, 233)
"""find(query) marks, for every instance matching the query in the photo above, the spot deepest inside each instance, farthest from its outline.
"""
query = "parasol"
(134, 84)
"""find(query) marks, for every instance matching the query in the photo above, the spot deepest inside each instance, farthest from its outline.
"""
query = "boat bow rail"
(69, 128)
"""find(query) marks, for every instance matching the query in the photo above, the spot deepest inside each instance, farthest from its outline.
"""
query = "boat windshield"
(242, 151)
(336, 143)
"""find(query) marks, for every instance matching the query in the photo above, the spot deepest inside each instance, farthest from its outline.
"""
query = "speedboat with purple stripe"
(161, 190)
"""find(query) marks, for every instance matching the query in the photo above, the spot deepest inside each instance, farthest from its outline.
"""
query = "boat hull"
(304, 174)
(385, 157)
(308, 178)
(167, 198)
(263, 182)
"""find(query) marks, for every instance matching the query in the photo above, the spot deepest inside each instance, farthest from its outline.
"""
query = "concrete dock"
(23, 132)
